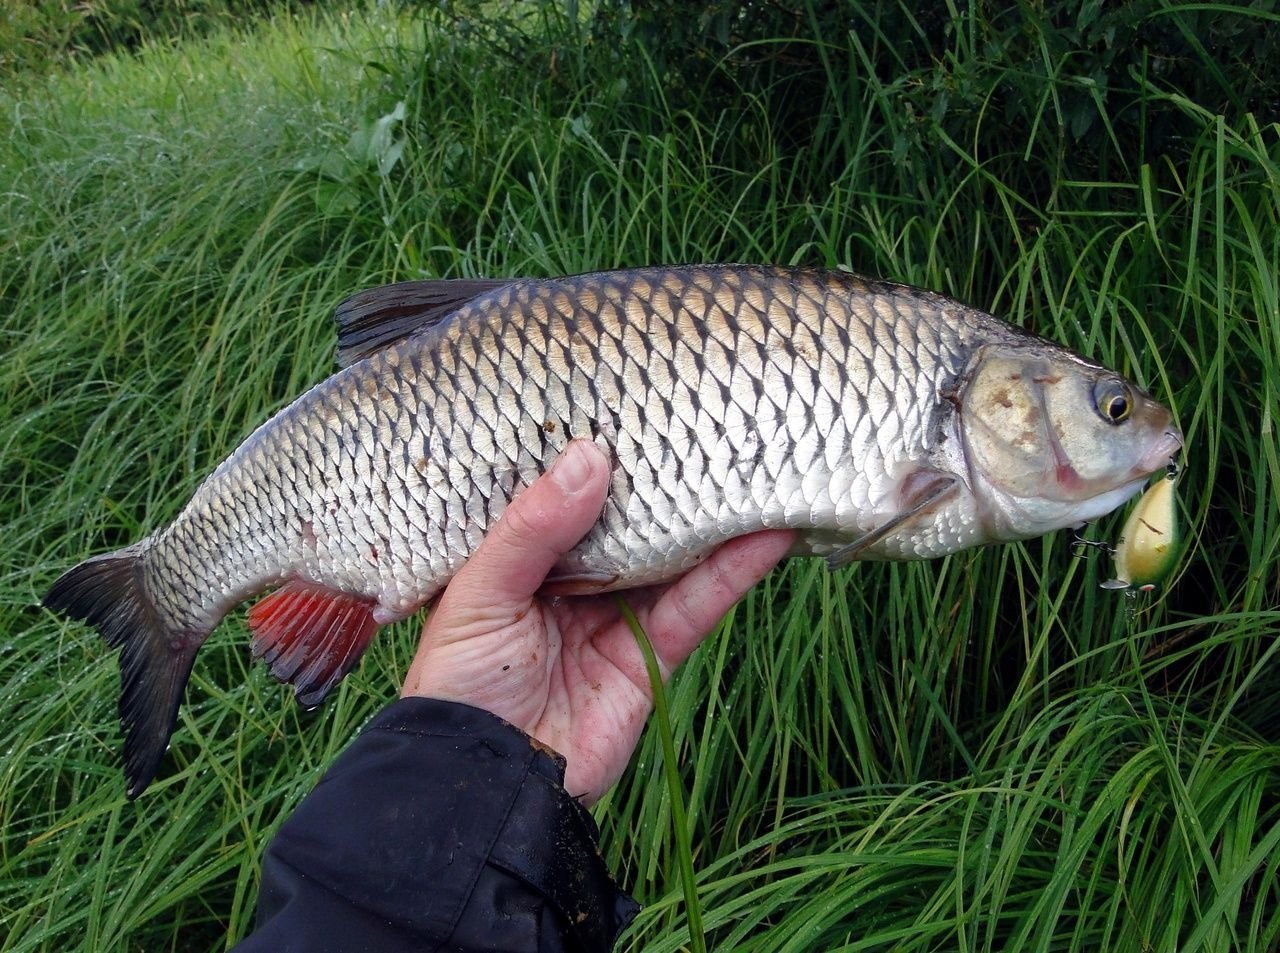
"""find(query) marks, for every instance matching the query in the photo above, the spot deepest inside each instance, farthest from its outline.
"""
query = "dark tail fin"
(155, 660)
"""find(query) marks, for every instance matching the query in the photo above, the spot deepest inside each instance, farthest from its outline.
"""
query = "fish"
(877, 420)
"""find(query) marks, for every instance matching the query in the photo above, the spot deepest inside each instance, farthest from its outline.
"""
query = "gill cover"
(1052, 440)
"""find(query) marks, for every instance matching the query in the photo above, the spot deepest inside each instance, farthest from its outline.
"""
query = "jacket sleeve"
(442, 827)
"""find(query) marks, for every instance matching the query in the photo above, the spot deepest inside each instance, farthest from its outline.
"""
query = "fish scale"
(730, 399)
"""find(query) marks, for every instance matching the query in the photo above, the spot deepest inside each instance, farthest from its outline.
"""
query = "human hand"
(567, 670)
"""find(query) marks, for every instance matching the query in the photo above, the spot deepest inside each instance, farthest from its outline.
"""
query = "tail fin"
(155, 659)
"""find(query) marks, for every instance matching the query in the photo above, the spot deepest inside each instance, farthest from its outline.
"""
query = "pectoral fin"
(921, 492)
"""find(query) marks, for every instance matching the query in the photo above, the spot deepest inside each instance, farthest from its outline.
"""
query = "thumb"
(540, 525)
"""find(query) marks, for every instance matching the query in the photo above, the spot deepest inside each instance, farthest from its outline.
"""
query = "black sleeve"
(442, 827)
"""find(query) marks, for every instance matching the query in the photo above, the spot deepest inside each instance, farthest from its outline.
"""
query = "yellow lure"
(1148, 544)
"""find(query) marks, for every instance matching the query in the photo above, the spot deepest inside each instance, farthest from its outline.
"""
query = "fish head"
(1052, 440)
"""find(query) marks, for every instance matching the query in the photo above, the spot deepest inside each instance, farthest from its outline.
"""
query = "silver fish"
(877, 420)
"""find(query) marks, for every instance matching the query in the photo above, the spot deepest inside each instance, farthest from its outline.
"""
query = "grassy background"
(981, 753)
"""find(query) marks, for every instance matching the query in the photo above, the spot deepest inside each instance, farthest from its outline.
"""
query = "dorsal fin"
(370, 320)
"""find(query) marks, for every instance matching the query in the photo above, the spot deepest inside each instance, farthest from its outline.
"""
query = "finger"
(692, 606)
(540, 525)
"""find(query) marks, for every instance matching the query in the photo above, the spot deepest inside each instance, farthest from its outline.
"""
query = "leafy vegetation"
(985, 752)
(37, 35)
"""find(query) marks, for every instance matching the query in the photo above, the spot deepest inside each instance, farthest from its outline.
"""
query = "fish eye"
(1113, 400)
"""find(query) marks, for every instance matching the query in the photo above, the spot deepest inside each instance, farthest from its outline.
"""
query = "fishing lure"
(1148, 544)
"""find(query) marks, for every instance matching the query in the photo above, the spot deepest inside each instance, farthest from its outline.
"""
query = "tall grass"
(985, 752)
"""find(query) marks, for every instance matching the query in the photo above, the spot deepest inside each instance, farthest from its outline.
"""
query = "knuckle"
(521, 524)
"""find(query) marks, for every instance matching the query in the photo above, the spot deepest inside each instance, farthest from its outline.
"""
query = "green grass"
(982, 753)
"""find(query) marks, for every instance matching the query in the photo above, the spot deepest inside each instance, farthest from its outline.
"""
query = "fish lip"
(1162, 452)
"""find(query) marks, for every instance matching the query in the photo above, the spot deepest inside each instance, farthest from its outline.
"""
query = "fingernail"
(572, 468)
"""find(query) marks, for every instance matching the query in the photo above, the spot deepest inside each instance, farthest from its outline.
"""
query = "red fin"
(311, 636)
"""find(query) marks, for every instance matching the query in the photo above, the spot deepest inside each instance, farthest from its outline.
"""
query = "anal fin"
(311, 636)
(921, 491)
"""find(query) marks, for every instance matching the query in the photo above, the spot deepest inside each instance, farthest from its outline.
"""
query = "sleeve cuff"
(425, 821)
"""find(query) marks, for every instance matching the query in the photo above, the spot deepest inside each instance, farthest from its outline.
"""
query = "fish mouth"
(1162, 453)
